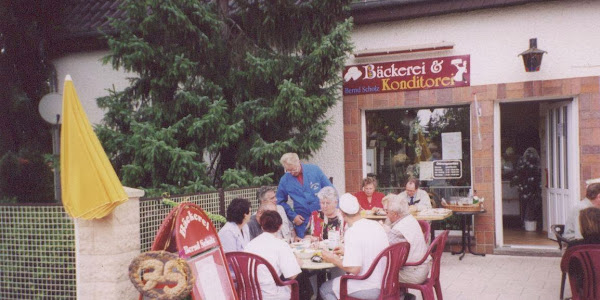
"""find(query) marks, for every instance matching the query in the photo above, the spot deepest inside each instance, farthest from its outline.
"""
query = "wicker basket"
(464, 207)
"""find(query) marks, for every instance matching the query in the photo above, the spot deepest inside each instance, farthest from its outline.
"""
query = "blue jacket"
(304, 196)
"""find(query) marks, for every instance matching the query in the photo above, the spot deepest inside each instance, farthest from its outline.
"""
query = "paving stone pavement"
(500, 277)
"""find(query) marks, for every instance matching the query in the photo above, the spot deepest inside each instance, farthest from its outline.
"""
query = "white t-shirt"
(363, 241)
(411, 230)
(285, 231)
(572, 228)
(279, 254)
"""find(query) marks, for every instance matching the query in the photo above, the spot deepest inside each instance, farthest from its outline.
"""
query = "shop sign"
(190, 230)
(410, 75)
(447, 169)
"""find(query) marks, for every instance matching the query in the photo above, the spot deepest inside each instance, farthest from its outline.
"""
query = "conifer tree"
(220, 89)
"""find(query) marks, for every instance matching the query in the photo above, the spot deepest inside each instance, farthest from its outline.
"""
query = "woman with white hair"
(328, 218)
(405, 228)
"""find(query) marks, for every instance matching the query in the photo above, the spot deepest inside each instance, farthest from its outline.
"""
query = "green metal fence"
(37, 253)
(153, 211)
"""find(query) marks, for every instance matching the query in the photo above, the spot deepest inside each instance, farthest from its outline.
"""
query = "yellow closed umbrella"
(90, 186)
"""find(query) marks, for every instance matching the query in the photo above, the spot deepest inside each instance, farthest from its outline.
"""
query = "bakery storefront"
(517, 145)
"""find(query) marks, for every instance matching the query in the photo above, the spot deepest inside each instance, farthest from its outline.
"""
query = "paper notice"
(451, 145)
(426, 170)
(208, 278)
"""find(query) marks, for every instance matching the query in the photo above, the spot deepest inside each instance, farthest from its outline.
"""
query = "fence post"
(221, 202)
(104, 248)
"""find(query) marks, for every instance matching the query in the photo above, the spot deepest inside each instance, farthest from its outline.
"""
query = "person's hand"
(328, 256)
(300, 262)
(338, 250)
(298, 220)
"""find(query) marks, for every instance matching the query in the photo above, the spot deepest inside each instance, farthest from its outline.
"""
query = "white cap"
(349, 204)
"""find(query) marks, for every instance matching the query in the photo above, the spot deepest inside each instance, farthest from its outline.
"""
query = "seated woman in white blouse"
(235, 234)
(278, 253)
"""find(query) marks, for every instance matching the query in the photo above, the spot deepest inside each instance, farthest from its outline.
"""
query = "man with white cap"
(363, 241)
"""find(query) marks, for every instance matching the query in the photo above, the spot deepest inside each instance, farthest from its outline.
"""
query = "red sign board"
(410, 75)
(188, 231)
(195, 232)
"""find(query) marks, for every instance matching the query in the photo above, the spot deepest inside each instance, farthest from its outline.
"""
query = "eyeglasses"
(294, 170)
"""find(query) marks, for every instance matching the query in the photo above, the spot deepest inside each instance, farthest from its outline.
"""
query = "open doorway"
(521, 140)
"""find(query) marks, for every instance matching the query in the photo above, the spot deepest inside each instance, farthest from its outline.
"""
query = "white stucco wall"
(567, 30)
(331, 156)
(91, 79)
(493, 38)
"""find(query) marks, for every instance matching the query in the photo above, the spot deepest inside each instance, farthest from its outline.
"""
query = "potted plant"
(527, 179)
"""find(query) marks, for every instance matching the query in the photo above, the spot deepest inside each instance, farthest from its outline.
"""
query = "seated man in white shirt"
(415, 195)
(405, 228)
(592, 198)
(278, 253)
(363, 241)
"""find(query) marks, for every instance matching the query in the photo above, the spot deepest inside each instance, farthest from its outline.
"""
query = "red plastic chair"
(245, 270)
(433, 281)
(396, 256)
(584, 271)
(426, 228)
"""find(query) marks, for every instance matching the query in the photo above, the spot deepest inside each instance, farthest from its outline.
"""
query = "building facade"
(555, 110)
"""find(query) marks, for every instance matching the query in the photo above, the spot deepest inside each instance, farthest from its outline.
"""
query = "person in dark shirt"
(254, 223)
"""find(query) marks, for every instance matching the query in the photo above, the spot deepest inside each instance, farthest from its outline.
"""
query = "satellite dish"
(50, 108)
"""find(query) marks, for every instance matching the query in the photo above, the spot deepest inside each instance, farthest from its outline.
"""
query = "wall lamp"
(532, 57)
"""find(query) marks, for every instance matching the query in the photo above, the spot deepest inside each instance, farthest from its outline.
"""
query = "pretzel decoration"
(161, 275)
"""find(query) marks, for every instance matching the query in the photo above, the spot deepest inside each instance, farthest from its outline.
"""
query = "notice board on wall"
(447, 169)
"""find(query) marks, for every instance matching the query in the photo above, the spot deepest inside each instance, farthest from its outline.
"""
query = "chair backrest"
(426, 229)
(395, 256)
(436, 249)
(584, 271)
(245, 269)
(558, 230)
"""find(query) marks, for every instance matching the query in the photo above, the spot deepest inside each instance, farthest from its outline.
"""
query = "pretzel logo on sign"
(161, 275)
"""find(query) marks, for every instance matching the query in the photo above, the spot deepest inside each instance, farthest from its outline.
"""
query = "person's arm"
(424, 200)
(572, 224)
(289, 263)
(227, 241)
(282, 199)
(337, 261)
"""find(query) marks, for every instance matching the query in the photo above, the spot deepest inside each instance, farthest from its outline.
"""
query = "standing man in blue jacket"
(301, 182)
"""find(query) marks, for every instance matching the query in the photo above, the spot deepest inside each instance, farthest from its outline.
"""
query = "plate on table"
(304, 253)
(297, 244)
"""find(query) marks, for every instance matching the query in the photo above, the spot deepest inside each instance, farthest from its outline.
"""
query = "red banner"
(410, 75)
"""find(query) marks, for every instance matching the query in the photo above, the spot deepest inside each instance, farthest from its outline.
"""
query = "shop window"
(432, 144)
(404, 143)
